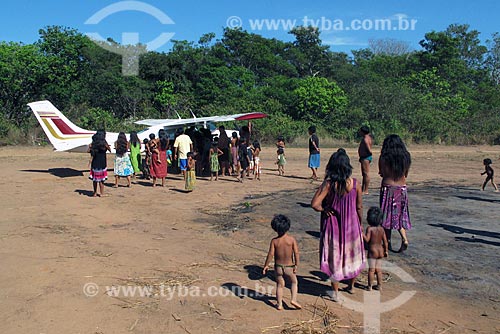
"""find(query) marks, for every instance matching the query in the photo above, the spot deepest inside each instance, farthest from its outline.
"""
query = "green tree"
(166, 97)
(308, 54)
(456, 54)
(493, 58)
(437, 112)
(63, 49)
(468, 44)
(264, 57)
(102, 84)
(320, 100)
(22, 71)
(97, 118)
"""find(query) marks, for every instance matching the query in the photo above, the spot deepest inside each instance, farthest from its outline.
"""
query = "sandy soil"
(58, 244)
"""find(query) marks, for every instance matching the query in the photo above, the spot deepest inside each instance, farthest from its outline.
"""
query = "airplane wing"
(201, 120)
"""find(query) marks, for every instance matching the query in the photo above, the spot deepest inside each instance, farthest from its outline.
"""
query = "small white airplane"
(67, 137)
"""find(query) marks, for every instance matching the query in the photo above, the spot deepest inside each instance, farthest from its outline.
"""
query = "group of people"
(197, 153)
(151, 158)
(131, 158)
(339, 199)
(314, 153)
(237, 156)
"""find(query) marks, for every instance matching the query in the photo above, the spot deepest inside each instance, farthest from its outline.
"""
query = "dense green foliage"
(447, 92)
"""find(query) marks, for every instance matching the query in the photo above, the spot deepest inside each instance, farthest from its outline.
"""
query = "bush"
(97, 119)
(278, 124)
(5, 126)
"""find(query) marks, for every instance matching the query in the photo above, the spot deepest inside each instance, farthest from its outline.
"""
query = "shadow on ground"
(462, 230)
(59, 172)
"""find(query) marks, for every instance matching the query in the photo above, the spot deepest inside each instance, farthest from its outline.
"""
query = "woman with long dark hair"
(159, 159)
(339, 199)
(135, 152)
(393, 165)
(123, 167)
(98, 165)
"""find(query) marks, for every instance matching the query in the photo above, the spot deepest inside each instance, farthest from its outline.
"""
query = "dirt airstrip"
(198, 256)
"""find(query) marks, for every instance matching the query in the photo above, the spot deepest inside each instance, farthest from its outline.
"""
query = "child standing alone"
(190, 172)
(489, 174)
(378, 248)
(280, 155)
(285, 252)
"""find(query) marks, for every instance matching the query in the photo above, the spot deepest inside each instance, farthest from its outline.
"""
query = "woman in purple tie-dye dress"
(339, 199)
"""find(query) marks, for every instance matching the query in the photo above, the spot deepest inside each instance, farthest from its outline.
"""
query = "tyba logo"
(130, 49)
(372, 307)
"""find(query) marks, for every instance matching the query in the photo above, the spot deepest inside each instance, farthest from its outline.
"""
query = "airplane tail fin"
(61, 132)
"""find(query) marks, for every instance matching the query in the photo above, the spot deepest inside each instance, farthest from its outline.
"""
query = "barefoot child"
(190, 172)
(280, 158)
(250, 150)
(489, 174)
(378, 248)
(256, 152)
(215, 153)
(285, 251)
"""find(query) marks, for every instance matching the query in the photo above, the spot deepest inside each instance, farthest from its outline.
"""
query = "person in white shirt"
(182, 146)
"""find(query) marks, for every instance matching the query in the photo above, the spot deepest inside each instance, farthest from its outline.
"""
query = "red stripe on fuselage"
(65, 129)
